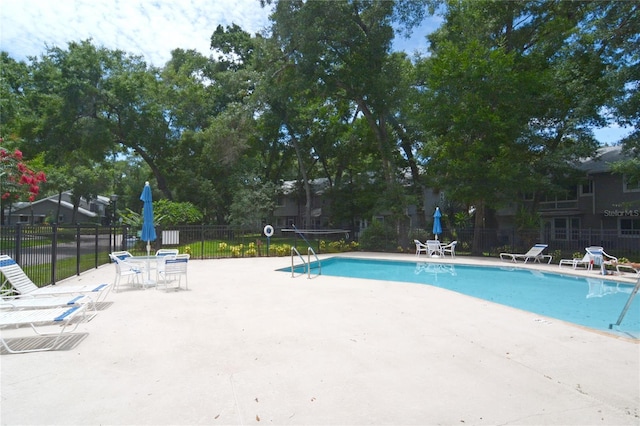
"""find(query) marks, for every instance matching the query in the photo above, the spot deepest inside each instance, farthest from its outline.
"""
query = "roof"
(52, 200)
(601, 163)
(318, 186)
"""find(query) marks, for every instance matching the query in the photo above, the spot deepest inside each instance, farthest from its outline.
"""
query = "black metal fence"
(492, 242)
(50, 253)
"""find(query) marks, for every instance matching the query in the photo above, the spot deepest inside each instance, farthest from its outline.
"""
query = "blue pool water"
(591, 302)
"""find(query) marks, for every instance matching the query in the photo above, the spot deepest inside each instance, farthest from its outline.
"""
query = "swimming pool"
(590, 302)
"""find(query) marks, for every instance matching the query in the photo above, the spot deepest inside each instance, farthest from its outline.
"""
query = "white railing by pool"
(307, 263)
(627, 305)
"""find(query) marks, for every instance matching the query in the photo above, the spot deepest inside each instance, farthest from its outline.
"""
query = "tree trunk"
(478, 229)
(305, 179)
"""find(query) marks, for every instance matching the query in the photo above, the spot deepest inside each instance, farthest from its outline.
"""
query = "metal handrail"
(307, 263)
(293, 249)
(627, 305)
(309, 251)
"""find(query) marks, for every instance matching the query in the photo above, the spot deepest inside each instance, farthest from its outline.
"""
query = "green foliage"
(175, 213)
(339, 246)
(379, 237)
(527, 220)
(419, 234)
(252, 205)
(498, 107)
(280, 250)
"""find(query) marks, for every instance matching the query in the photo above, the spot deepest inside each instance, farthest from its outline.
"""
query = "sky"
(153, 28)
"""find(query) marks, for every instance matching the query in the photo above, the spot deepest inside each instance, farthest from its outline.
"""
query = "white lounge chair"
(599, 256)
(534, 253)
(27, 302)
(22, 284)
(595, 255)
(633, 268)
(586, 261)
(174, 267)
(37, 318)
(449, 248)
(420, 247)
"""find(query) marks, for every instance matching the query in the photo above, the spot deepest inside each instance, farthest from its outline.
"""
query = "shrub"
(340, 246)
(379, 237)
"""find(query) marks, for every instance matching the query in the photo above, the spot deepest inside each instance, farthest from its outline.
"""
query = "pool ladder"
(307, 263)
(627, 305)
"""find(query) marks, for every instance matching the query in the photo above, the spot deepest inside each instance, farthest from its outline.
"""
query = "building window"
(587, 188)
(629, 226)
(630, 185)
(566, 228)
(565, 200)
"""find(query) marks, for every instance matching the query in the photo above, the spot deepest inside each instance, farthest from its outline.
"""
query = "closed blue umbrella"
(437, 226)
(148, 230)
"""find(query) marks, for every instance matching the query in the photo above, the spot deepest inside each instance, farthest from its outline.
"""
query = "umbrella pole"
(148, 262)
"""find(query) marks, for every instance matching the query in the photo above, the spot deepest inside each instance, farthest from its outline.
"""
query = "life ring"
(268, 230)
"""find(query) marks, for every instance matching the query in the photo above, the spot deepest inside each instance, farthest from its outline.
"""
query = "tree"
(17, 180)
(506, 100)
(613, 34)
(253, 205)
(340, 54)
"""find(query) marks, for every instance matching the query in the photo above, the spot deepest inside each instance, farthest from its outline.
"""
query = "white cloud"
(150, 28)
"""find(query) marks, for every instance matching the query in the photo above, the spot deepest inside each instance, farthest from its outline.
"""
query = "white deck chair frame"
(37, 318)
(22, 284)
(595, 255)
(27, 302)
(434, 248)
(167, 252)
(534, 253)
(420, 247)
(449, 248)
(174, 266)
(132, 272)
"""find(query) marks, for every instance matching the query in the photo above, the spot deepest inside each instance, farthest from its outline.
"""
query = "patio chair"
(595, 255)
(21, 284)
(37, 318)
(420, 247)
(122, 255)
(167, 252)
(534, 253)
(600, 257)
(449, 248)
(131, 271)
(175, 266)
(434, 248)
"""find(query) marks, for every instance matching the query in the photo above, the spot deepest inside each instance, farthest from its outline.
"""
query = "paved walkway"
(249, 345)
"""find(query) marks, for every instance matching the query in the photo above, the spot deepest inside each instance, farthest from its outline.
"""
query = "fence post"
(96, 246)
(54, 252)
(18, 244)
(77, 249)
(202, 242)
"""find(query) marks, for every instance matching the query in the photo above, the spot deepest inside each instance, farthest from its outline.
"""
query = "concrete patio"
(249, 345)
